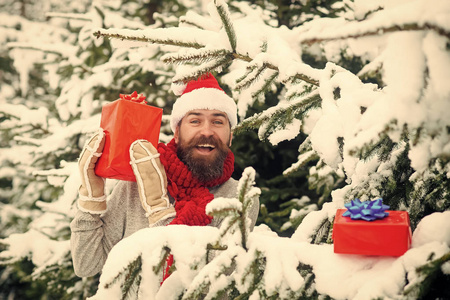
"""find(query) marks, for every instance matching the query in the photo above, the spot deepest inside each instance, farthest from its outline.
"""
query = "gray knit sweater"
(93, 236)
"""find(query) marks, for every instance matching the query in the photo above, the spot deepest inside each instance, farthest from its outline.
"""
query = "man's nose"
(206, 129)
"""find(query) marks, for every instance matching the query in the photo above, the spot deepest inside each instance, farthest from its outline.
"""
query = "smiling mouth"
(205, 148)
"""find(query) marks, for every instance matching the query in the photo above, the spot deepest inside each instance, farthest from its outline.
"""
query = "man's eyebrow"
(193, 113)
(220, 115)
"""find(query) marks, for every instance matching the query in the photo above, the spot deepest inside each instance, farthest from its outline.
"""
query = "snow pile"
(350, 114)
(340, 276)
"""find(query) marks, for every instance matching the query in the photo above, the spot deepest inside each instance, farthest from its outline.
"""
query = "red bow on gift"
(135, 97)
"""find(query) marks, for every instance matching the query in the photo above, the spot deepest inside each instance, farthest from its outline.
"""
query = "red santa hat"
(203, 93)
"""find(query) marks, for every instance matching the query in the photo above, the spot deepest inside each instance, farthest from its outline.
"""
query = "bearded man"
(174, 182)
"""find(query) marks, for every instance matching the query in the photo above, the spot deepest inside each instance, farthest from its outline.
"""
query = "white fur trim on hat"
(203, 98)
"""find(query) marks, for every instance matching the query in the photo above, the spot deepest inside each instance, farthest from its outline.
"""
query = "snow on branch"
(196, 71)
(224, 13)
(26, 246)
(196, 56)
(123, 260)
(235, 211)
(269, 267)
(212, 280)
(303, 158)
(254, 71)
(215, 51)
(72, 16)
(193, 19)
(421, 16)
(132, 278)
(289, 70)
(296, 107)
(58, 49)
(379, 31)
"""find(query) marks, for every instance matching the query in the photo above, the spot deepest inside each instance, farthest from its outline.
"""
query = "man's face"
(203, 138)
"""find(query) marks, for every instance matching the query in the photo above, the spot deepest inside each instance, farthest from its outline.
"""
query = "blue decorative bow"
(367, 210)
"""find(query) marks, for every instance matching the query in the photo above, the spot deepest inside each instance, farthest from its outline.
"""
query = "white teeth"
(206, 146)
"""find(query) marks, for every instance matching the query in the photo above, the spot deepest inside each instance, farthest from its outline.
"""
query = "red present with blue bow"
(367, 228)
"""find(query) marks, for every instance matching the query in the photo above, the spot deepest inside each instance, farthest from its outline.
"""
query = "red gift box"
(390, 236)
(124, 122)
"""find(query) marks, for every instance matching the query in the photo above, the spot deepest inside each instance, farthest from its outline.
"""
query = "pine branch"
(381, 147)
(293, 109)
(269, 65)
(239, 81)
(322, 233)
(231, 215)
(198, 21)
(303, 159)
(43, 48)
(162, 262)
(224, 14)
(266, 86)
(255, 273)
(205, 68)
(235, 211)
(395, 28)
(132, 277)
(191, 22)
(245, 196)
(253, 74)
(429, 273)
(305, 145)
(214, 279)
(29, 141)
(70, 16)
(195, 57)
(100, 13)
(191, 44)
(297, 90)
(146, 39)
(216, 246)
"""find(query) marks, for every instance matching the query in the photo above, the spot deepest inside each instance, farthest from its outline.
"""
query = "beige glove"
(152, 181)
(92, 197)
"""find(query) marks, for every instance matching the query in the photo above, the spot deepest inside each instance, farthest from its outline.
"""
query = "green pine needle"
(197, 57)
(297, 109)
(227, 24)
(253, 75)
(208, 67)
(131, 278)
(167, 41)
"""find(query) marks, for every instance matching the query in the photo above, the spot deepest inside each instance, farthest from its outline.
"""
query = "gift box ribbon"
(134, 97)
(366, 210)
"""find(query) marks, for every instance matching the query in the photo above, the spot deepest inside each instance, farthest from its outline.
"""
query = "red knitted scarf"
(191, 195)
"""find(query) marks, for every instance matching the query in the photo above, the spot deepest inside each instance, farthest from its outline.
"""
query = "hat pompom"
(177, 88)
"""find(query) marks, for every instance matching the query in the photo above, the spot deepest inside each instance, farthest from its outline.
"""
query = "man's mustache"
(205, 140)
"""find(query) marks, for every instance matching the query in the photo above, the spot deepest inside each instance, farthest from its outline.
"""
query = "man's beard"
(204, 168)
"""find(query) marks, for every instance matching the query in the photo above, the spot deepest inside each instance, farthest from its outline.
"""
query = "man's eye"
(218, 122)
(194, 121)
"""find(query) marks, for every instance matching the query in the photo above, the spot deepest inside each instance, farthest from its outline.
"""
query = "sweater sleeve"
(93, 236)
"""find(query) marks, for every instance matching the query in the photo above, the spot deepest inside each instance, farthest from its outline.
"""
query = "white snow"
(406, 97)
(340, 276)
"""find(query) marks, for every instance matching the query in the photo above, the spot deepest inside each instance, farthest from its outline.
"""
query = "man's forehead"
(207, 112)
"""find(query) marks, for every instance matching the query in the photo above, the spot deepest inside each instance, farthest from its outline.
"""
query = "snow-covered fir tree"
(55, 78)
(362, 85)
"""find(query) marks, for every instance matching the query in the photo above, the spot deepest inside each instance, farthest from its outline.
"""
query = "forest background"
(56, 75)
